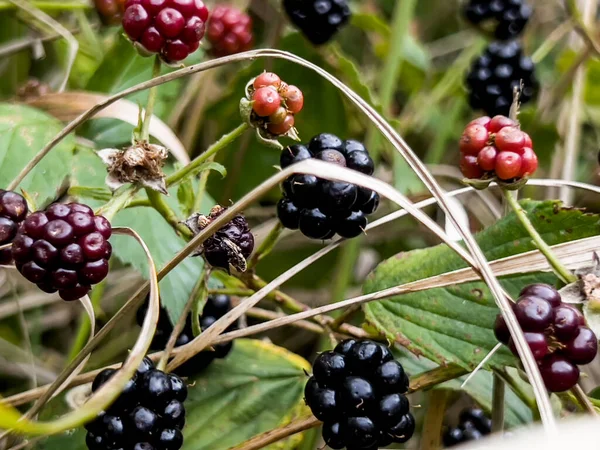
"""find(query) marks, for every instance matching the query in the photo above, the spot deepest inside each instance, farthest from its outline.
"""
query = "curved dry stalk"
(277, 434)
(108, 392)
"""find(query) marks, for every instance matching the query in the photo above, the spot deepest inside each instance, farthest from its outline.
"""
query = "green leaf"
(160, 237)
(258, 387)
(479, 388)
(455, 324)
(23, 133)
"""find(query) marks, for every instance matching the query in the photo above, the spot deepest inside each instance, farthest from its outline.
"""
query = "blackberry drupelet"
(321, 208)
(64, 248)
(319, 20)
(149, 414)
(473, 425)
(216, 307)
(13, 210)
(556, 334)
(357, 390)
(495, 74)
(509, 16)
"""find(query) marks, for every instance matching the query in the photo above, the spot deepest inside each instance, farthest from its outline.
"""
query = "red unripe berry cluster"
(275, 102)
(556, 334)
(496, 147)
(229, 31)
(172, 28)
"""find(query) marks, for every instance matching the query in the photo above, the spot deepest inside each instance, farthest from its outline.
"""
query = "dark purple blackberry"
(230, 246)
(320, 208)
(148, 415)
(216, 307)
(508, 16)
(495, 74)
(319, 20)
(473, 425)
(358, 391)
(13, 210)
(64, 248)
(555, 332)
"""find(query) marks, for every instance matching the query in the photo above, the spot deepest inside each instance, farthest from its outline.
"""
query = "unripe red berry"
(266, 101)
(529, 162)
(487, 158)
(483, 121)
(474, 138)
(508, 165)
(229, 31)
(294, 99)
(528, 141)
(278, 117)
(469, 166)
(499, 122)
(267, 79)
(510, 139)
(282, 128)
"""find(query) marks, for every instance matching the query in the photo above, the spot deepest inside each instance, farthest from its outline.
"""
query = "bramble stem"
(561, 271)
(584, 400)
(152, 93)
(498, 403)
(223, 142)
(200, 298)
(49, 5)
(117, 202)
(160, 205)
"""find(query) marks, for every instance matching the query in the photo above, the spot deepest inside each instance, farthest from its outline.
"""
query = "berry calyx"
(229, 31)
(65, 254)
(358, 391)
(172, 29)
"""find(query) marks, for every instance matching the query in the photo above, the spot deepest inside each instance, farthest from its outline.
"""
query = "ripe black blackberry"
(318, 20)
(555, 332)
(64, 248)
(495, 74)
(473, 425)
(216, 307)
(509, 16)
(322, 208)
(357, 390)
(13, 210)
(149, 414)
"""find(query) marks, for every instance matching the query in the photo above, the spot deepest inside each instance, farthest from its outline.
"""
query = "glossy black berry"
(155, 388)
(329, 368)
(294, 154)
(367, 200)
(361, 403)
(102, 378)
(178, 387)
(478, 418)
(145, 366)
(509, 16)
(173, 414)
(170, 439)
(332, 435)
(314, 224)
(336, 197)
(495, 74)
(304, 190)
(288, 213)
(360, 161)
(143, 420)
(390, 377)
(318, 20)
(353, 225)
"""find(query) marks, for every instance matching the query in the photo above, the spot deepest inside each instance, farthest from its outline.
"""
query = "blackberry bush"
(473, 425)
(322, 208)
(172, 28)
(319, 20)
(64, 248)
(495, 74)
(13, 210)
(556, 333)
(357, 390)
(229, 31)
(509, 17)
(216, 307)
(496, 148)
(149, 413)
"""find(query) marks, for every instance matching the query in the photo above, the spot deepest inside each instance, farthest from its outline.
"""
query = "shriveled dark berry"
(332, 156)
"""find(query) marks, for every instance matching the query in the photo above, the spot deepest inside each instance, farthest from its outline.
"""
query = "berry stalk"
(160, 205)
(266, 245)
(561, 271)
(145, 134)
